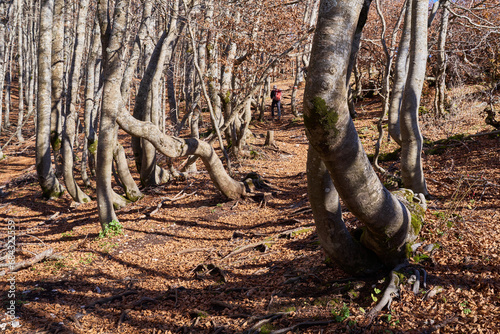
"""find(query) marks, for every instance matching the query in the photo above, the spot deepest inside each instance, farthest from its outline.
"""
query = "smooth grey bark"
(400, 75)
(112, 42)
(411, 138)
(46, 177)
(70, 119)
(440, 98)
(57, 104)
(332, 134)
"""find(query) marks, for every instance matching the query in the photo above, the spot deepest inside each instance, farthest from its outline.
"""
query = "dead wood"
(193, 250)
(28, 263)
(262, 246)
(110, 299)
(305, 324)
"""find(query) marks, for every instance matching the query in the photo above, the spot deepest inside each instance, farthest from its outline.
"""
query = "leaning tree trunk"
(333, 136)
(411, 139)
(48, 181)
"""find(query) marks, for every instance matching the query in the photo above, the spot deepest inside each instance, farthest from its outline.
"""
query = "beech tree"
(336, 148)
(46, 176)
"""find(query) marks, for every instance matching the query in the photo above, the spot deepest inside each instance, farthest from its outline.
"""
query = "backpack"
(277, 95)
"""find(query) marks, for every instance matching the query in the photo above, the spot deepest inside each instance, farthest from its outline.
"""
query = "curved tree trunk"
(411, 138)
(332, 134)
(174, 147)
(46, 177)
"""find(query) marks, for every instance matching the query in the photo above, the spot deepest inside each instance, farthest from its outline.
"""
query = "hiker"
(276, 101)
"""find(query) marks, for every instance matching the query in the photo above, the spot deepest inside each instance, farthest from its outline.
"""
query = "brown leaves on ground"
(201, 264)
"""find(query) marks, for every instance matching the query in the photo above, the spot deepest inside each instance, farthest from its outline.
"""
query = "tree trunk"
(400, 74)
(46, 177)
(111, 39)
(333, 136)
(68, 138)
(411, 138)
(20, 66)
(57, 104)
(440, 99)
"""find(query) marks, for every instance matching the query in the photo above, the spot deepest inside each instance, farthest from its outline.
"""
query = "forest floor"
(189, 261)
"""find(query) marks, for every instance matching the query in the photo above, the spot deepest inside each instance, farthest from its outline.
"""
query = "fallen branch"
(258, 245)
(305, 324)
(28, 263)
(110, 299)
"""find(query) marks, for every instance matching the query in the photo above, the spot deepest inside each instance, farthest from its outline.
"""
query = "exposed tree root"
(390, 292)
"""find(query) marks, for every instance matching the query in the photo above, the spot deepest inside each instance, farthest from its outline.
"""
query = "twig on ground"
(110, 299)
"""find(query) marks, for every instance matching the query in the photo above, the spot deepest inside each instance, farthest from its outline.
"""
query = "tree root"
(390, 292)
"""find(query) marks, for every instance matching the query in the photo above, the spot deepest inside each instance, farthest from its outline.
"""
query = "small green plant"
(467, 311)
(377, 291)
(88, 259)
(266, 328)
(341, 314)
(113, 228)
(375, 299)
(108, 246)
(66, 235)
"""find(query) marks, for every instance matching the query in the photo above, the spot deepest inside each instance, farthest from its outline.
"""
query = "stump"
(270, 139)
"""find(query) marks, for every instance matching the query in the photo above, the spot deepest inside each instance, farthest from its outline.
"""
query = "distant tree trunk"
(68, 148)
(20, 66)
(46, 177)
(333, 136)
(440, 99)
(400, 74)
(389, 55)
(4, 20)
(411, 138)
